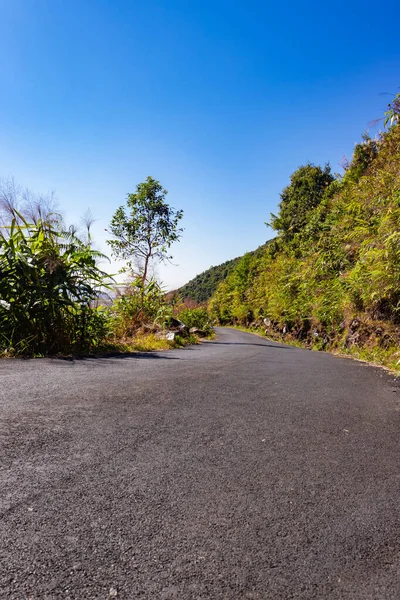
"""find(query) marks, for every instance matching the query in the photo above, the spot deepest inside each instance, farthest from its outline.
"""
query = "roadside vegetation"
(55, 298)
(331, 277)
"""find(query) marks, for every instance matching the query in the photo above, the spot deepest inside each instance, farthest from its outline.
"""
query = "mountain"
(203, 286)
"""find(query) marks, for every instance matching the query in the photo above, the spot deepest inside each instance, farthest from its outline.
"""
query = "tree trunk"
(145, 269)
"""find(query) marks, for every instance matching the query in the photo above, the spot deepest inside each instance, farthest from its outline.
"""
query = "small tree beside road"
(146, 228)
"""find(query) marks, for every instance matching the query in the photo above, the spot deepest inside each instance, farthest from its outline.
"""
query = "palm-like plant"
(49, 278)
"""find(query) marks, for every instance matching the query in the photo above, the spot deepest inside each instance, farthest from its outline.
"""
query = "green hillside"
(331, 277)
(203, 286)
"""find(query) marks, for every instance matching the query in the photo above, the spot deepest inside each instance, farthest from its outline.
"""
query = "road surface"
(236, 469)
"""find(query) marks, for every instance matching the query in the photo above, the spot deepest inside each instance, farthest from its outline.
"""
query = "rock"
(352, 339)
(177, 326)
(256, 324)
(355, 324)
(199, 332)
(267, 323)
(170, 336)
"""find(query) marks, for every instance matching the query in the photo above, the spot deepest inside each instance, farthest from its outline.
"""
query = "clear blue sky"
(219, 100)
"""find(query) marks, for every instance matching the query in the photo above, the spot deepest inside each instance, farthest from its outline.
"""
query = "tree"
(364, 154)
(145, 229)
(307, 188)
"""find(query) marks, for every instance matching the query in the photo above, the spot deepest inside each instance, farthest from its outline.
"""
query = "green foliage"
(143, 309)
(336, 257)
(146, 228)
(48, 281)
(203, 286)
(196, 317)
(364, 154)
(308, 186)
(141, 304)
(50, 284)
(392, 115)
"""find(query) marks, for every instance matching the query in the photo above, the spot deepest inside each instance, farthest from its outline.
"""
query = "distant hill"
(203, 286)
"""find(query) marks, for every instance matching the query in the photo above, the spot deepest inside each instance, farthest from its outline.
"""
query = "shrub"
(141, 304)
(48, 281)
(196, 317)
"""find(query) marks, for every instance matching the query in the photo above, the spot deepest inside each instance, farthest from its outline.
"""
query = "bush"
(141, 304)
(48, 281)
(196, 317)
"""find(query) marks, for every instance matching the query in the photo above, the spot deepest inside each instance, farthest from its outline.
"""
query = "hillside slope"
(202, 287)
(331, 278)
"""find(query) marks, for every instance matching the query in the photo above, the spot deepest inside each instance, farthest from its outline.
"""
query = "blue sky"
(219, 100)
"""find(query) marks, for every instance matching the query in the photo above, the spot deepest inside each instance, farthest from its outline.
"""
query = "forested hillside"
(203, 286)
(331, 277)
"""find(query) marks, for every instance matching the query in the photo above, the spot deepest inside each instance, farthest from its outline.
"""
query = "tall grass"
(48, 280)
(51, 288)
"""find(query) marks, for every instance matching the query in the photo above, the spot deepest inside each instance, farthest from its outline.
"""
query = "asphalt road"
(237, 469)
